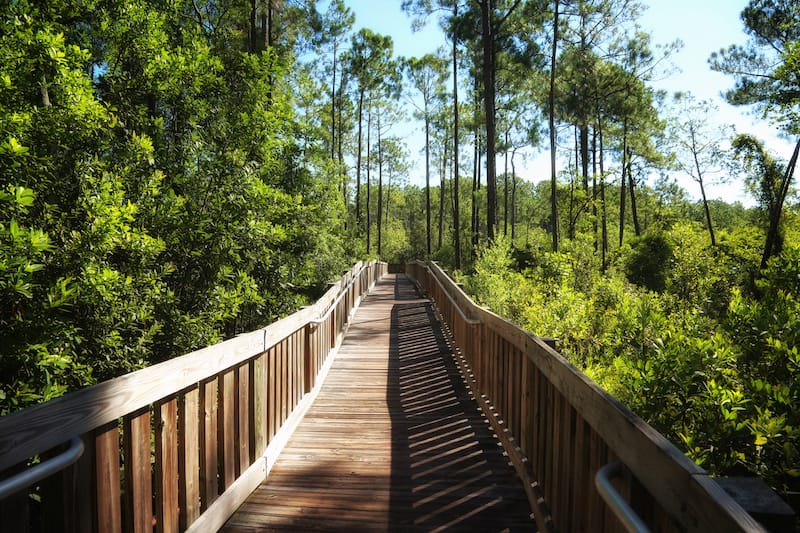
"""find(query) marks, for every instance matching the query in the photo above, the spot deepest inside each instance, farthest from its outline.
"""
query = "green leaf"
(15, 147)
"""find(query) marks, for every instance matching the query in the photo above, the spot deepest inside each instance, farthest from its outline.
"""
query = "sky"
(704, 26)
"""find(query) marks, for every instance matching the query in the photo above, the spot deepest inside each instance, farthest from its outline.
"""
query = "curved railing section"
(559, 429)
(177, 446)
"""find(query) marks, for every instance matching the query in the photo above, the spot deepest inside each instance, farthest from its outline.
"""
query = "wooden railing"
(560, 428)
(179, 445)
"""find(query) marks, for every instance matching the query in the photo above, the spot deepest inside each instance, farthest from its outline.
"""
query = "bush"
(648, 261)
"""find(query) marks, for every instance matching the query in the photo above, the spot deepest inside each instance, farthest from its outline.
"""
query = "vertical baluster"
(261, 403)
(227, 428)
(209, 450)
(567, 463)
(540, 452)
(166, 440)
(138, 477)
(272, 396)
(283, 382)
(309, 372)
(107, 482)
(556, 457)
(83, 514)
(244, 418)
(581, 476)
(189, 457)
(549, 443)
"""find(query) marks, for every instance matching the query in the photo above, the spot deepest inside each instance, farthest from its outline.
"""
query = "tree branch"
(510, 11)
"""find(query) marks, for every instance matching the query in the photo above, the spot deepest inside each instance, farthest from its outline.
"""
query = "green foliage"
(495, 284)
(707, 362)
(155, 198)
(647, 263)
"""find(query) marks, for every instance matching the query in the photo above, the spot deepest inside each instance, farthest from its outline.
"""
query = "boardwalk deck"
(393, 441)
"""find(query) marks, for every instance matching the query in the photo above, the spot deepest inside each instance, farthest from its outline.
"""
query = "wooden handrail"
(210, 423)
(559, 428)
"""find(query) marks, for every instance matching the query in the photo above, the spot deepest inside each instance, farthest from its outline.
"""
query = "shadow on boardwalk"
(448, 470)
(393, 442)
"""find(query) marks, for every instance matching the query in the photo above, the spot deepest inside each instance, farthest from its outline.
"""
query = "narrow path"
(393, 441)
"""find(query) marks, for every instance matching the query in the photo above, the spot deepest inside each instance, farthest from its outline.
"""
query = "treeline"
(158, 189)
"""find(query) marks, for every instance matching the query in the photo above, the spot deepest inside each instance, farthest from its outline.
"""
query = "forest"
(174, 173)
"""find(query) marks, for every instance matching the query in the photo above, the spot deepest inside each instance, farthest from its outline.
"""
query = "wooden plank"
(300, 337)
(189, 431)
(227, 428)
(556, 480)
(244, 420)
(209, 447)
(309, 362)
(280, 385)
(83, 515)
(581, 477)
(272, 395)
(107, 482)
(138, 480)
(260, 397)
(166, 440)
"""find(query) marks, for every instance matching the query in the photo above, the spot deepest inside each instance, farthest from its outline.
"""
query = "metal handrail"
(614, 499)
(43, 470)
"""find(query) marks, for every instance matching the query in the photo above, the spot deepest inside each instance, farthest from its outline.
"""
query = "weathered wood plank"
(189, 457)
(166, 441)
(244, 422)
(209, 444)
(138, 481)
(107, 482)
(227, 428)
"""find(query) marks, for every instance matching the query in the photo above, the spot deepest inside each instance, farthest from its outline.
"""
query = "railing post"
(308, 372)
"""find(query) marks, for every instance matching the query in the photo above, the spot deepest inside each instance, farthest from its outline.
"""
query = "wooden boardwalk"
(393, 441)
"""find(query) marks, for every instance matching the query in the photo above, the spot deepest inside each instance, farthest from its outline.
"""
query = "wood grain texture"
(138, 479)
(109, 511)
(189, 457)
(166, 440)
(393, 441)
(209, 444)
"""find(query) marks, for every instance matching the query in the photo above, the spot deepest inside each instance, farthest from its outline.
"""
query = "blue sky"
(704, 26)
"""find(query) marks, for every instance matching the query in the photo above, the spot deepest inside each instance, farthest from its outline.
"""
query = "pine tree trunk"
(333, 105)
(513, 197)
(594, 189)
(443, 179)
(427, 183)
(359, 220)
(551, 112)
(622, 199)
(505, 188)
(583, 134)
(773, 244)
(637, 229)
(380, 190)
(603, 212)
(708, 213)
(368, 222)
(456, 210)
(489, 112)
